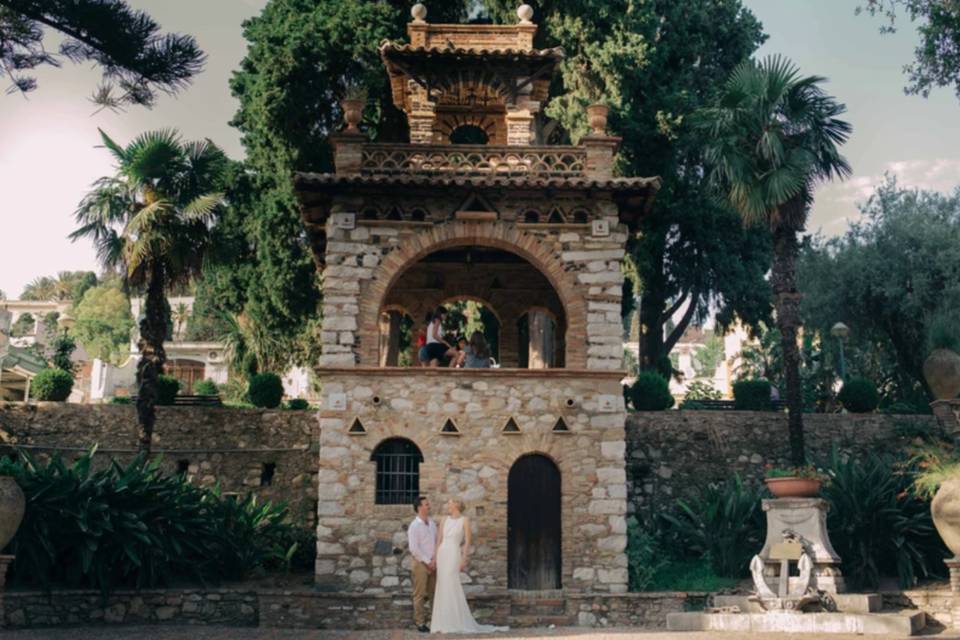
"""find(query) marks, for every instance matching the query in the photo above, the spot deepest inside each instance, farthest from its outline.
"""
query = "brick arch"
(496, 235)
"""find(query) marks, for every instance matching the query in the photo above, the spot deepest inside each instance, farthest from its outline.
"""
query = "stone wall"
(362, 545)
(672, 453)
(235, 447)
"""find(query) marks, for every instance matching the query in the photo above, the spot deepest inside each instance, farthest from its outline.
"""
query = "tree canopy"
(136, 59)
(102, 323)
(65, 286)
(936, 61)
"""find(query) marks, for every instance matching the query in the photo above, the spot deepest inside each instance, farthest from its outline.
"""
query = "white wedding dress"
(450, 611)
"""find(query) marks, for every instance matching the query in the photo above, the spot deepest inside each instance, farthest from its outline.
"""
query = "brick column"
(519, 128)
(348, 152)
(600, 151)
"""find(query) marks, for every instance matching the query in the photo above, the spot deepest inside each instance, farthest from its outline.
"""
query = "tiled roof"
(537, 182)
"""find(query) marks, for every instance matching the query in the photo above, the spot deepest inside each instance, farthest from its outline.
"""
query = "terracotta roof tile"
(538, 182)
(555, 53)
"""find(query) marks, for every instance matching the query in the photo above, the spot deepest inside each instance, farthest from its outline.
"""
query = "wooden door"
(533, 524)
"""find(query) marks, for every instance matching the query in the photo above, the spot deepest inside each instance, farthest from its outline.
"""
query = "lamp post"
(841, 331)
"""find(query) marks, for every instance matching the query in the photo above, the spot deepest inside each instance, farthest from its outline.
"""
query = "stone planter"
(942, 371)
(352, 113)
(792, 487)
(945, 509)
(12, 505)
(597, 116)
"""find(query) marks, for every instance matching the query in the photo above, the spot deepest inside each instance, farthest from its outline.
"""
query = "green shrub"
(121, 400)
(650, 392)
(859, 395)
(689, 575)
(298, 404)
(723, 525)
(265, 390)
(943, 331)
(645, 558)
(51, 384)
(134, 527)
(878, 525)
(167, 389)
(700, 390)
(752, 395)
(205, 388)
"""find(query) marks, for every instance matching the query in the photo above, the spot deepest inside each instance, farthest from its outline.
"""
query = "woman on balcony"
(476, 355)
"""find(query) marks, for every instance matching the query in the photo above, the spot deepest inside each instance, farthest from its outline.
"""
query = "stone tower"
(472, 209)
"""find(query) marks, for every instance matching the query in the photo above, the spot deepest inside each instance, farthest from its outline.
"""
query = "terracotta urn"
(945, 509)
(793, 487)
(597, 116)
(12, 505)
(352, 113)
(942, 371)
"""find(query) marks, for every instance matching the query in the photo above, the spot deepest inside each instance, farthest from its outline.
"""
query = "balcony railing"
(473, 160)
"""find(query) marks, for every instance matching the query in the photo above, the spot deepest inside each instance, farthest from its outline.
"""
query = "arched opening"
(468, 134)
(398, 471)
(540, 342)
(533, 524)
(484, 289)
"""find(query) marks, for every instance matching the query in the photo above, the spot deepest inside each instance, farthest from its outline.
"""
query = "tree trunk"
(787, 305)
(153, 332)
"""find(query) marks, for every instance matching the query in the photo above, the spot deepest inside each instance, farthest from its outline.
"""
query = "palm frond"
(118, 152)
(202, 207)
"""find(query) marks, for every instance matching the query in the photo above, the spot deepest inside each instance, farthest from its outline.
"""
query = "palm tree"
(772, 137)
(180, 313)
(151, 221)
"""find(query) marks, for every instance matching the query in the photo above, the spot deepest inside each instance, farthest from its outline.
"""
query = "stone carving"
(806, 519)
(792, 594)
(468, 160)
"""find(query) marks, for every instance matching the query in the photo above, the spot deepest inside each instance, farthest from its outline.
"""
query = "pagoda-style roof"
(646, 186)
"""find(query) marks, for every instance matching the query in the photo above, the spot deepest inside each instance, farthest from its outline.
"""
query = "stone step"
(541, 621)
(900, 624)
(846, 602)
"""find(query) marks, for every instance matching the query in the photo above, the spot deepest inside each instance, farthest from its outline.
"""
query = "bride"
(450, 611)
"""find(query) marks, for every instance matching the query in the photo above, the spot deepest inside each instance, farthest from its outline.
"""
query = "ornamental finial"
(419, 13)
(525, 13)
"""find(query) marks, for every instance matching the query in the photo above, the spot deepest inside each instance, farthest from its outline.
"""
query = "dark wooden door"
(533, 524)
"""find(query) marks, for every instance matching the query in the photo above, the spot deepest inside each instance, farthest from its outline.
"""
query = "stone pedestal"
(953, 565)
(5, 562)
(806, 518)
(948, 414)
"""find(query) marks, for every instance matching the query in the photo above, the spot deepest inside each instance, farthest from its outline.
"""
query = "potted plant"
(942, 367)
(938, 476)
(12, 504)
(354, 100)
(794, 482)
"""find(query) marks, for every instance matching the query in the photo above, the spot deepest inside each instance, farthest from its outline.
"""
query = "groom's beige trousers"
(424, 583)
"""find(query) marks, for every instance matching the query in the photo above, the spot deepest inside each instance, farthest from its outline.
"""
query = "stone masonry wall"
(672, 453)
(229, 446)
(362, 545)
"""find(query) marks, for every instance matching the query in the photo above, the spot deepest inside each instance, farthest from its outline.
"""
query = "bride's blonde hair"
(460, 504)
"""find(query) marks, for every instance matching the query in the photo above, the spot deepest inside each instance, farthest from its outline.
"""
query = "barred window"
(398, 471)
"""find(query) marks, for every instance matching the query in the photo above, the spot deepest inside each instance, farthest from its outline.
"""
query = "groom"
(422, 537)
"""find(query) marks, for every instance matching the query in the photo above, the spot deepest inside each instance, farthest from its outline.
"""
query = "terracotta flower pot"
(352, 113)
(945, 509)
(792, 487)
(597, 116)
(12, 505)
(942, 371)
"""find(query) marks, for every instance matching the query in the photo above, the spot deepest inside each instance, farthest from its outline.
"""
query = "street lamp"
(841, 331)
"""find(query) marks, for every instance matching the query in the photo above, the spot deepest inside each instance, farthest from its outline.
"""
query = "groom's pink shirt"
(422, 538)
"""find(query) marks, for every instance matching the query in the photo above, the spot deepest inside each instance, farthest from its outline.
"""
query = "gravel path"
(223, 633)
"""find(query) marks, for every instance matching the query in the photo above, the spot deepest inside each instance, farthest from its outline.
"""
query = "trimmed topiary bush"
(859, 395)
(167, 389)
(298, 404)
(205, 388)
(650, 392)
(752, 395)
(265, 390)
(51, 384)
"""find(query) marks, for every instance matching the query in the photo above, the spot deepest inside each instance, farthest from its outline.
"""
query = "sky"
(48, 139)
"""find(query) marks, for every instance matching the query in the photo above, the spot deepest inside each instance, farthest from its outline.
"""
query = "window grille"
(398, 471)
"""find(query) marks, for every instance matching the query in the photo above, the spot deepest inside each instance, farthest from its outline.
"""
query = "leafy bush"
(134, 527)
(700, 390)
(205, 388)
(877, 525)
(121, 400)
(689, 575)
(298, 404)
(51, 384)
(63, 347)
(723, 524)
(752, 395)
(167, 389)
(650, 392)
(265, 390)
(645, 558)
(943, 332)
(859, 395)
